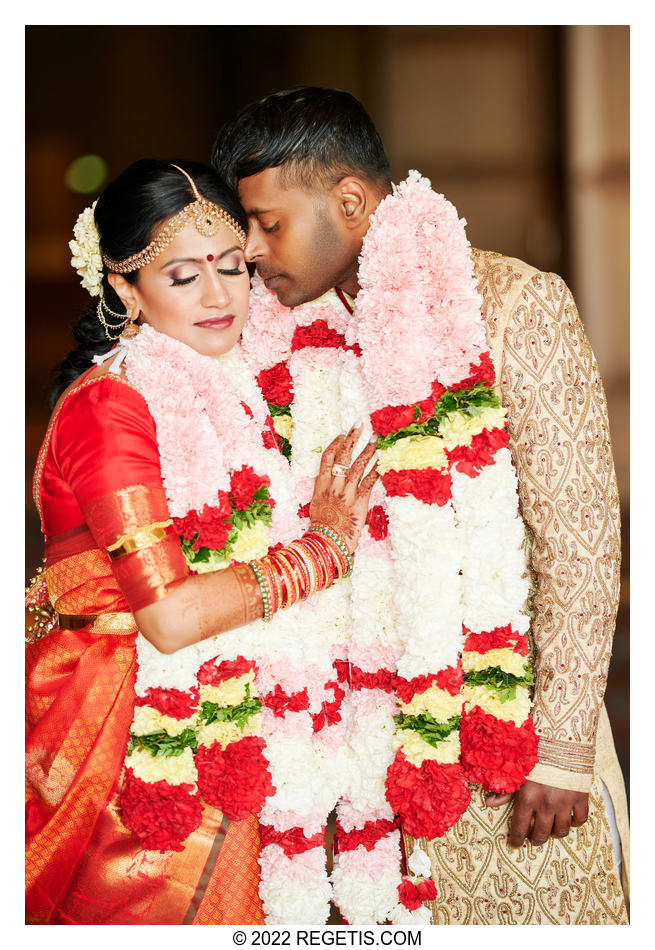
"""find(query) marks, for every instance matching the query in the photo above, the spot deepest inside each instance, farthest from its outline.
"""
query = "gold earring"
(112, 331)
(131, 328)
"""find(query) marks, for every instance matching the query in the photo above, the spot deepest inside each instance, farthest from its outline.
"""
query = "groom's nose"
(255, 247)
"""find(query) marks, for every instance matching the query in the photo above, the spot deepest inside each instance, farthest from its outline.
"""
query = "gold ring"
(340, 471)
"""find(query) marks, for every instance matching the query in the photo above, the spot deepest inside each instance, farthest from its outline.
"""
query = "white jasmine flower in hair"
(86, 258)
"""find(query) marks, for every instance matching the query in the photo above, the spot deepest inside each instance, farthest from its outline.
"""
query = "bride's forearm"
(200, 606)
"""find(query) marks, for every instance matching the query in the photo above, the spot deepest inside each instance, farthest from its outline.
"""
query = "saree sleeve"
(107, 452)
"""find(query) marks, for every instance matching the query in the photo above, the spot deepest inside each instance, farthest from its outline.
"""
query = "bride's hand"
(341, 494)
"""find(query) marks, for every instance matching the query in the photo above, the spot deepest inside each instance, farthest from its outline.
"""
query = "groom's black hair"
(316, 135)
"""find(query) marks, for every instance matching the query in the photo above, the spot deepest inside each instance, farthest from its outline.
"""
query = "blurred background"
(524, 128)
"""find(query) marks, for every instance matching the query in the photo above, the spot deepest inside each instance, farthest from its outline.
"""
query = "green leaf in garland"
(259, 511)
(469, 401)
(276, 410)
(212, 712)
(160, 743)
(503, 684)
(429, 729)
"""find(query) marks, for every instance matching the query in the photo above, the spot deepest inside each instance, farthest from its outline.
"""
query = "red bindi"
(210, 257)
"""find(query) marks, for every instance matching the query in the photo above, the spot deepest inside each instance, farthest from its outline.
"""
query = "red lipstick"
(217, 323)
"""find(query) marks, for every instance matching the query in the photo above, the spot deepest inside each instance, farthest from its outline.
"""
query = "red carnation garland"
(292, 841)
(330, 712)
(281, 702)
(276, 384)
(431, 797)
(170, 702)
(471, 459)
(428, 799)
(451, 679)
(429, 485)
(159, 814)
(320, 334)
(496, 639)
(367, 836)
(496, 754)
(235, 779)
(208, 528)
(244, 485)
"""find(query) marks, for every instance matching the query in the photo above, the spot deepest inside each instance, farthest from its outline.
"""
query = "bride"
(177, 567)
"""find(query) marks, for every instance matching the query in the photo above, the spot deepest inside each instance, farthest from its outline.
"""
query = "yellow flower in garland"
(512, 710)
(226, 732)
(458, 428)
(283, 425)
(506, 659)
(439, 703)
(253, 542)
(230, 693)
(426, 451)
(176, 769)
(147, 720)
(417, 750)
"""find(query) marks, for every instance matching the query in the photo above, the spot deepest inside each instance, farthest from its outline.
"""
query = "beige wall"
(598, 176)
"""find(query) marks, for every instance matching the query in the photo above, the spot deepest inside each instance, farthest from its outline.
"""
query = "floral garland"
(439, 677)
(247, 720)
(196, 730)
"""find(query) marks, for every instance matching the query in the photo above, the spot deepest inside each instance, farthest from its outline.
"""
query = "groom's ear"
(354, 201)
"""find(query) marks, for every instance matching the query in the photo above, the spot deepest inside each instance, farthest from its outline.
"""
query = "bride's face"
(195, 291)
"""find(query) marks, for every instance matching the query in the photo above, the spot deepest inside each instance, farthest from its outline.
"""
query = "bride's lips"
(217, 323)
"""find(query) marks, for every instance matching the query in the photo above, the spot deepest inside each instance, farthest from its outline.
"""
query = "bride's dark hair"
(127, 213)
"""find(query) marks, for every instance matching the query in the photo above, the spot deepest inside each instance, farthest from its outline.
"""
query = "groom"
(311, 171)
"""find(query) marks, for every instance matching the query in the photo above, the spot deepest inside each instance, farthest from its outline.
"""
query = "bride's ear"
(125, 291)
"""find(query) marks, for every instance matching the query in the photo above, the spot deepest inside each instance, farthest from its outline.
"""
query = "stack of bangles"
(301, 568)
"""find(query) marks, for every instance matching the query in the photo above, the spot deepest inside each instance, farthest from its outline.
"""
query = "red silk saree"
(98, 480)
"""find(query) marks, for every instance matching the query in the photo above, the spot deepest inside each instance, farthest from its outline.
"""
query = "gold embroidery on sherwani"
(480, 880)
(567, 488)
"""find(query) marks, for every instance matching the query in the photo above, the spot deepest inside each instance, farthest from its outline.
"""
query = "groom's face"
(295, 237)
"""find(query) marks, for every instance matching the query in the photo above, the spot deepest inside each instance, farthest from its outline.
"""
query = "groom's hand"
(554, 811)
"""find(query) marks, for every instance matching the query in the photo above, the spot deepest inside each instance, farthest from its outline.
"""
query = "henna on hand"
(334, 512)
(342, 503)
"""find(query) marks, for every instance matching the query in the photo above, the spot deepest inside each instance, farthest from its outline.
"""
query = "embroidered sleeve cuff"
(564, 765)
(560, 778)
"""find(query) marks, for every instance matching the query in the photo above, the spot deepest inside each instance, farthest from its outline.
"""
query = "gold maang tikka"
(206, 216)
